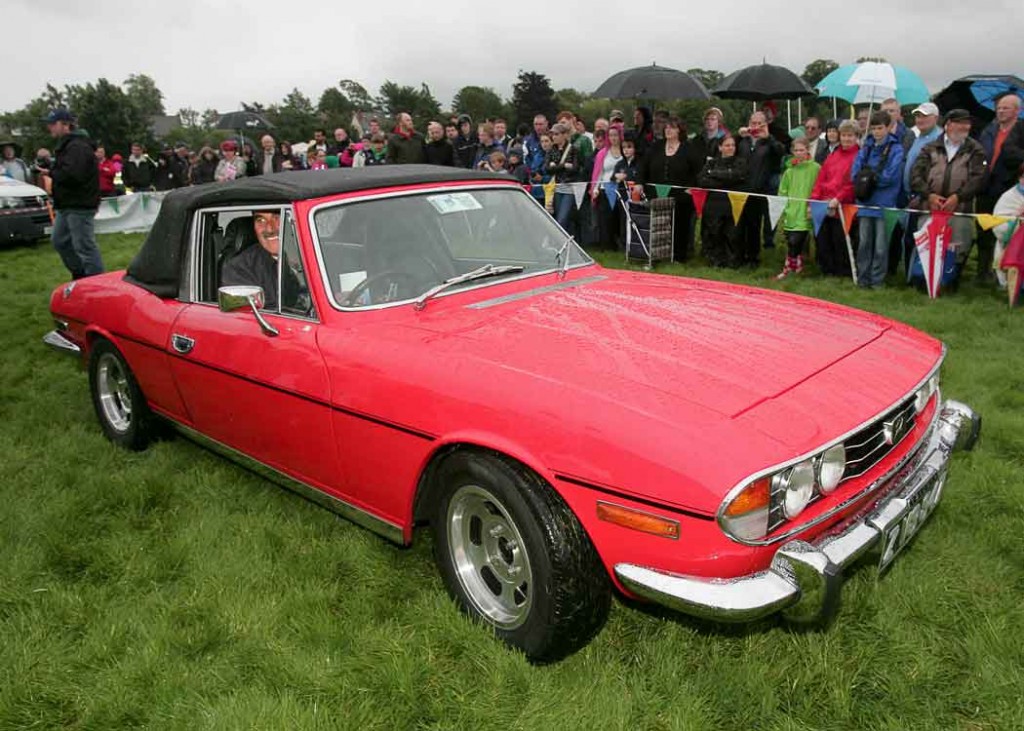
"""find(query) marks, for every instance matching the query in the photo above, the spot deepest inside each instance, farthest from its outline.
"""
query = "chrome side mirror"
(240, 296)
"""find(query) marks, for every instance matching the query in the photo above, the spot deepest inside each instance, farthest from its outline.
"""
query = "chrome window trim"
(329, 291)
(196, 244)
(720, 516)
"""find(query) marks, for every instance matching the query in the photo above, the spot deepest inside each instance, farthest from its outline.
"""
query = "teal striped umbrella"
(871, 83)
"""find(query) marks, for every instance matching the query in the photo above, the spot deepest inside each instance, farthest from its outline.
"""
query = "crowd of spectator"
(876, 162)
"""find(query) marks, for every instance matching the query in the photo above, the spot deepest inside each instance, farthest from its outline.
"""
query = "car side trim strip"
(534, 292)
(384, 528)
(633, 498)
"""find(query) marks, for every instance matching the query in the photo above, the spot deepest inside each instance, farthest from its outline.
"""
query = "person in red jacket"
(835, 185)
(107, 173)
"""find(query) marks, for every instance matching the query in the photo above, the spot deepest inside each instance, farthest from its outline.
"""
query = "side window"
(294, 283)
(223, 234)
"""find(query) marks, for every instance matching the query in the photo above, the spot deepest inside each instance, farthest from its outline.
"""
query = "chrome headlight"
(830, 468)
(793, 488)
(925, 393)
(8, 202)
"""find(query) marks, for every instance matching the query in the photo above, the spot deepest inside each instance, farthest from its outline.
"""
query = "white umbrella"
(875, 82)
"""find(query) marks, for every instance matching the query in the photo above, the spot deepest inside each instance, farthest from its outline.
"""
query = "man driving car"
(257, 265)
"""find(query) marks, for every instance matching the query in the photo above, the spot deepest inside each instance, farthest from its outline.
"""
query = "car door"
(264, 395)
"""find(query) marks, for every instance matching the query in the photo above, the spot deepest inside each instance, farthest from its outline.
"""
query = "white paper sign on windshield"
(446, 203)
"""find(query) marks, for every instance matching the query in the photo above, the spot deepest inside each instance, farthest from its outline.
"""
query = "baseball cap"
(958, 115)
(927, 109)
(616, 114)
(58, 115)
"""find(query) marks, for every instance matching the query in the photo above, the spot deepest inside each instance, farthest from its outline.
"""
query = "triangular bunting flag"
(700, 197)
(892, 217)
(776, 207)
(988, 222)
(549, 193)
(611, 192)
(145, 201)
(579, 191)
(115, 205)
(738, 201)
(849, 213)
(662, 190)
(819, 210)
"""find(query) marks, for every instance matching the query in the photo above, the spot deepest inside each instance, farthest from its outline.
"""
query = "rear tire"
(120, 406)
(514, 556)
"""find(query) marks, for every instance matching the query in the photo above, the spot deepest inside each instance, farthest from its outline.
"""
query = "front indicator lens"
(638, 520)
(831, 467)
(795, 487)
(746, 517)
(925, 393)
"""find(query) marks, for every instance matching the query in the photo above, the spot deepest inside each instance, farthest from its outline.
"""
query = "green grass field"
(172, 589)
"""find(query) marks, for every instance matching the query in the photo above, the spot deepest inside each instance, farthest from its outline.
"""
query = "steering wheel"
(391, 275)
(415, 279)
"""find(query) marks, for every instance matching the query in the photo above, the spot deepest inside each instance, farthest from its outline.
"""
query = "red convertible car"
(415, 345)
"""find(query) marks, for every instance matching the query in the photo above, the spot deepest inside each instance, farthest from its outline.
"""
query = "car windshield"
(395, 249)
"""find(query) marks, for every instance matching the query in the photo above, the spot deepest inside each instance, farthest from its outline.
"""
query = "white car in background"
(24, 211)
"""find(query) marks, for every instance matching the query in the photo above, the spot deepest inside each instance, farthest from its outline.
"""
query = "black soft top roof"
(158, 265)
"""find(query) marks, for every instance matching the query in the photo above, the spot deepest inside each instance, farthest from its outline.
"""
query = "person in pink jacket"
(835, 185)
(609, 217)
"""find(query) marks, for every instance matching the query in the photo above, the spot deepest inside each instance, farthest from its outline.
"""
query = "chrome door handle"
(182, 344)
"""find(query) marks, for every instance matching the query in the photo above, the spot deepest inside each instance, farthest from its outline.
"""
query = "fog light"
(796, 486)
(831, 467)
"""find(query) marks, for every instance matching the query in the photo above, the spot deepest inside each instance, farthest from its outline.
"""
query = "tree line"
(119, 114)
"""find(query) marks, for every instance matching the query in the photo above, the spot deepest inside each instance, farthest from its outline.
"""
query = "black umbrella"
(652, 82)
(964, 94)
(243, 121)
(762, 81)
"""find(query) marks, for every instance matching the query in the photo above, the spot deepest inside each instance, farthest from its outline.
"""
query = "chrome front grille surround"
(870, 445)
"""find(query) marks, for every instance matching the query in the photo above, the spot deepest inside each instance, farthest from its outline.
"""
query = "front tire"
(120, 406)
(514, 556)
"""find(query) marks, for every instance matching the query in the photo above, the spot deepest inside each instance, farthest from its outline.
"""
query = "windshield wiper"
(563, 264)
(487, 270)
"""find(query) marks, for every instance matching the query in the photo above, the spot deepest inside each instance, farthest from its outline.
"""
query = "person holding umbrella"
(1003, 142)
(763, 154)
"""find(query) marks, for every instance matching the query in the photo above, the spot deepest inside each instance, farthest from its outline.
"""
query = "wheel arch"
(427, 486)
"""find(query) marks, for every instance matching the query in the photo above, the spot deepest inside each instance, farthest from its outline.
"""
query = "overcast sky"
(216, 53)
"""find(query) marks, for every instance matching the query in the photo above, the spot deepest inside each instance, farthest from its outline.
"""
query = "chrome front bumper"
(804, 579)
(59, 341)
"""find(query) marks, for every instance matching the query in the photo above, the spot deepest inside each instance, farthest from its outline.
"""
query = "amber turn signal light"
(755, 497)
(638, 520)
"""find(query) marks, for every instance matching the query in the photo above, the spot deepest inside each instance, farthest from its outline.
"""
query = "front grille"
(871, 444)
(21, 203)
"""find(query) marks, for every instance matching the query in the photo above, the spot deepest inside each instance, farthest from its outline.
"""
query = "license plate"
(898, 536)
(47, 230)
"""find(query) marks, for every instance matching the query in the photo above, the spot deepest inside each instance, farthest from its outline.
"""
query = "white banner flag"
(776, 207)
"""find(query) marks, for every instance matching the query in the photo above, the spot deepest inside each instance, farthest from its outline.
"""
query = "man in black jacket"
(438, 150)
(268, 158)
(139, 170)
(763, 154)
(1003, 142)
(75, 177)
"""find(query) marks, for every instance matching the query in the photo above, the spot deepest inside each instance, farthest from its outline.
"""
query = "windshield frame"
(418, 191)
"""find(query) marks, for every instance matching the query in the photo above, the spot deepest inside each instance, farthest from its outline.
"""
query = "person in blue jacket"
(883, 154)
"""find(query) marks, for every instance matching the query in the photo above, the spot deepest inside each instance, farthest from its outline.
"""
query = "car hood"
(16, 189)
(719, 347)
